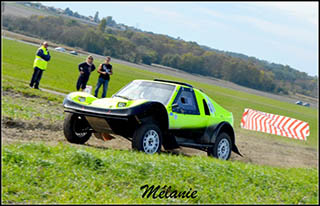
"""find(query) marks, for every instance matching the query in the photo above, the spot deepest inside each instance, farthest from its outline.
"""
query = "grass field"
(36, 107)
(39, 173)
(53, 171)
(62, 75)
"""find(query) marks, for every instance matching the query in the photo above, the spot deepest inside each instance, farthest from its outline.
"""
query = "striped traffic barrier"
(274, 124)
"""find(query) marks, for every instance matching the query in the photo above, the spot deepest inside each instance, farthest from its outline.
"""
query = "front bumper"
(124, 114)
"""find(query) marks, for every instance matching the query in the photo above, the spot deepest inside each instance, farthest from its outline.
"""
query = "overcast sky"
(279, 32)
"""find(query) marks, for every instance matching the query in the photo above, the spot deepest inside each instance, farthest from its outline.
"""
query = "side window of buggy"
(186, 100)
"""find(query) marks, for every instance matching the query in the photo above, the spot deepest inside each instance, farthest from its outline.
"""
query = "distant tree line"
(147, 48)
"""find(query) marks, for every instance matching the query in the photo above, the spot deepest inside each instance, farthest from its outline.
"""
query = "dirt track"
(262, 152)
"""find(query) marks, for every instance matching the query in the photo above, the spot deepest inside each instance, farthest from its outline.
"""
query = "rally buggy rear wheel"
(147, 138)
(222, 147)
(76, 128)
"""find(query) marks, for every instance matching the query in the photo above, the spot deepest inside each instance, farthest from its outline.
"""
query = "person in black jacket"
(105, 70)
(85, 69)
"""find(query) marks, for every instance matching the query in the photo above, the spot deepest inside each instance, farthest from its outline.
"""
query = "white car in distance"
(60, 49)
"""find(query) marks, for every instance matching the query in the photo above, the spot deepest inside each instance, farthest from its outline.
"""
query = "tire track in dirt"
(262, 152)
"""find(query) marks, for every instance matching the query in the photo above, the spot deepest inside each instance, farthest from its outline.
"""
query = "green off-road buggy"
(150, 114)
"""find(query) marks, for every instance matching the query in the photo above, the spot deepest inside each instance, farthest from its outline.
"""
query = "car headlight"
(81, 99)
(122, 104)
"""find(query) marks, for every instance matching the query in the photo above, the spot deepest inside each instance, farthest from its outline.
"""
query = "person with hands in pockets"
(105, 70)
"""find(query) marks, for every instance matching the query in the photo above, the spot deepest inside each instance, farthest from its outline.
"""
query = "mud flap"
(169, 142)
(236, 150)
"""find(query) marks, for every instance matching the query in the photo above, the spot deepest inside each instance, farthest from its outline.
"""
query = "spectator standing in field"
(85, 69)
(40, 64)
(105, 70)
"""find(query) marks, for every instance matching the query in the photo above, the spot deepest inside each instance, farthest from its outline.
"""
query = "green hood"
(111, 103)
(116, 102)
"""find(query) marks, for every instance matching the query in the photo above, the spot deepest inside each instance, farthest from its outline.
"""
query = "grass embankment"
(22, 103)
(62, 74)
(39, 173)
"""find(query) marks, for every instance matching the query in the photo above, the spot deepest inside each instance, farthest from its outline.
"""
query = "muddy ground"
(261, 152)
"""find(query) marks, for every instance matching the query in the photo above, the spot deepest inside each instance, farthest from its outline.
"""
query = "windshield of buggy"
(152, 91)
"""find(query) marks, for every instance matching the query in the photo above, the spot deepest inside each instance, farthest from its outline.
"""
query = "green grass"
(10, 84)
(63, 173)
(31, 109)
(62, 74)
(19, 102)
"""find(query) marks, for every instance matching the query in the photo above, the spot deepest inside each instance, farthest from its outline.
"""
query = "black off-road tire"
(72, 126)
(147, 138)
(222, 143)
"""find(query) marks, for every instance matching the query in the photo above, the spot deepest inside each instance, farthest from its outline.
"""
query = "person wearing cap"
(105, 70)
(40, 64)
(85, 70)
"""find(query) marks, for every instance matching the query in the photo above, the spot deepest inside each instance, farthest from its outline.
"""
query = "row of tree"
(147, 48)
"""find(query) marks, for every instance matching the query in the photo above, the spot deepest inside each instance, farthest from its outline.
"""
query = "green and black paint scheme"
(188, 117)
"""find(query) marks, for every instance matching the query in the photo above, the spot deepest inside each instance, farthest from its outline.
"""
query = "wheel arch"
(227, 128)
(155, 111)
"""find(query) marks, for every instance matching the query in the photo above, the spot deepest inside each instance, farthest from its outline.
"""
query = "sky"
(279, 32)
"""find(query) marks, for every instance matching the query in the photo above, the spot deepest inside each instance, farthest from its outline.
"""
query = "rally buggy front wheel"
(76, 128)
(147, 138)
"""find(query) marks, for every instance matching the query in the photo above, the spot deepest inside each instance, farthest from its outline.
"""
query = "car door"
(185, 118)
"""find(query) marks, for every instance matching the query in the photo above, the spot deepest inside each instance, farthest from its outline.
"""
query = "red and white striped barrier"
(274, 124)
